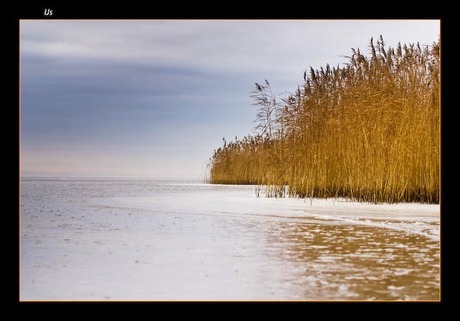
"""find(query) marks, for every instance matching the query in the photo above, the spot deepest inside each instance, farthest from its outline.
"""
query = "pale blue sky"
(155, 97)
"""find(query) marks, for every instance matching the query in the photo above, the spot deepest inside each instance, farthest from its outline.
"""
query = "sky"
(154, 98)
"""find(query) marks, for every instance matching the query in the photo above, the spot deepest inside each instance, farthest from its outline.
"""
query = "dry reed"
(368, 131)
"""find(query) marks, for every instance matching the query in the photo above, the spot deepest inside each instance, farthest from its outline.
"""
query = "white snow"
(417, 218)
(100, 239)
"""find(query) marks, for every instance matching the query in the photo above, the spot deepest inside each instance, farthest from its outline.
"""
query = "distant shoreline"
(37, 177)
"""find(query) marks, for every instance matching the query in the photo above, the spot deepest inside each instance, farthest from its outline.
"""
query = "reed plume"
(367, 131)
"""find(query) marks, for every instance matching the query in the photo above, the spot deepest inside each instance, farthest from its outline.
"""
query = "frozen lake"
(130, 239)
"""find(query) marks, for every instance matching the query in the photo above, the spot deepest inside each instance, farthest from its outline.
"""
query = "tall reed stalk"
(368, 131)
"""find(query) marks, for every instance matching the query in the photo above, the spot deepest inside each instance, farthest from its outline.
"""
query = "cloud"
(217, 44)
(129, 91)
(277, 50)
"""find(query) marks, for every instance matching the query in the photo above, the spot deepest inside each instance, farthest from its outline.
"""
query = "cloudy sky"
(155, 97)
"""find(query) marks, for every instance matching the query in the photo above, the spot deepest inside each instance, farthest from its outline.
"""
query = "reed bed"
(367, 131)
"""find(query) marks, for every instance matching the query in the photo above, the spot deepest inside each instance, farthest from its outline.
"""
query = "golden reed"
(368, 131)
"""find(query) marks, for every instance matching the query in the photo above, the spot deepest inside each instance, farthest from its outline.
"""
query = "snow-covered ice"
(132, 239)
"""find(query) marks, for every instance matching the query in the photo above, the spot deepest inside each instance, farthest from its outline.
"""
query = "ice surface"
(116, 239)
(409, 217)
